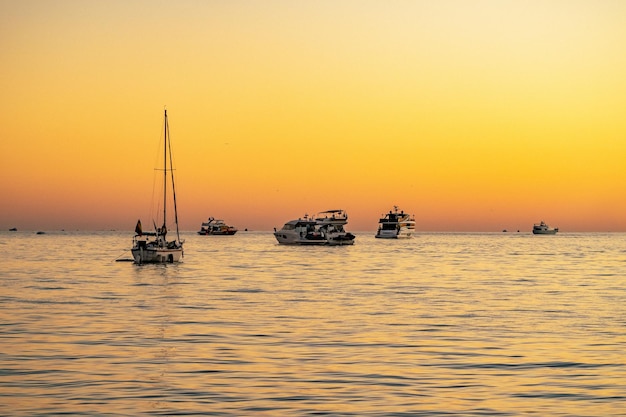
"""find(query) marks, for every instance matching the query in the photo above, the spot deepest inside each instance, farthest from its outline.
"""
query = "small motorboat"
(216, 227)
(543, 229)
(395, 225)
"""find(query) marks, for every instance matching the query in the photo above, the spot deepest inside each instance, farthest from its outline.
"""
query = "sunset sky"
(472, 115)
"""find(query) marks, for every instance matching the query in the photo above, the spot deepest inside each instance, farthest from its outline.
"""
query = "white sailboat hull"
(156, 255)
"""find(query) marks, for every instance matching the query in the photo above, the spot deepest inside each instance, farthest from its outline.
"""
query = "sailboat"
(154, 247)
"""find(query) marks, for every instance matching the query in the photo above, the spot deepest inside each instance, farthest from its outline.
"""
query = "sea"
(444, 324)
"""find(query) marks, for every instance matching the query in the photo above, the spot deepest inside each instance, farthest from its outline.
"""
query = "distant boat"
(395, 225)
(41, 233)
(216, 227)
(325, 228)
(153, 247)
(543, 229)
(13, 229)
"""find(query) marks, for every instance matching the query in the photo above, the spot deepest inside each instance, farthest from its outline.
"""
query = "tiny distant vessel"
(216, 227)
(41, 233)
(13, 229)
(543, 229)
(325, 228)
(153, 247)
(395, 225)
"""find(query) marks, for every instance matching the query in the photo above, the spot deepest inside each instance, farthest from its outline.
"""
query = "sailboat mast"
(174, 190)
(165, 170)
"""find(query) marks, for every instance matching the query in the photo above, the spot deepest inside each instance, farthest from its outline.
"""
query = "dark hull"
(545, 232)
(229, 233)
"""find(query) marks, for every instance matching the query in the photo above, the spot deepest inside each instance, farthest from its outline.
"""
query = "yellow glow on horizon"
(474, 116)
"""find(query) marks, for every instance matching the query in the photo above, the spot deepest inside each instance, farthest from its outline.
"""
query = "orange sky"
(473, 115)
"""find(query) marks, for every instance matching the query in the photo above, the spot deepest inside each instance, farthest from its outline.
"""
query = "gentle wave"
(439, 325)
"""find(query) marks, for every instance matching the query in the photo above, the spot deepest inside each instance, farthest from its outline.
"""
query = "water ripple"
(440, 325)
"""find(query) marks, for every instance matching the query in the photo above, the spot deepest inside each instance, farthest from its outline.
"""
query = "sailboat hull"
(156, 255)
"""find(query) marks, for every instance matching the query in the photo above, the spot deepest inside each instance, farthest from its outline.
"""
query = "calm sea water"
(504, 324)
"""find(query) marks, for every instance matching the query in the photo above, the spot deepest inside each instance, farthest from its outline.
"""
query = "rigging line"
(155, 203)
(173, 184)
(122, 260)
(153, 198)
(165, 133)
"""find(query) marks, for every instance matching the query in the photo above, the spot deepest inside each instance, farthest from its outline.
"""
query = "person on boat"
(161, 232)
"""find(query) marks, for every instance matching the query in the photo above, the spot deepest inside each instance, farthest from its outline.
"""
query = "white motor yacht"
(325, 228)
(395, 225)
(216, 227)
(331, 224)
(543, 229)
